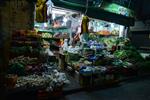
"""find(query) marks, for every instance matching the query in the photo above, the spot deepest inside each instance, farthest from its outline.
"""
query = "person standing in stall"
(83, 35)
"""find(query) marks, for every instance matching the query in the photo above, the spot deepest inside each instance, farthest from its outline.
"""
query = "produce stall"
(105, 55)
(94, 52)
(112, 64)
(33, 61)
(105, 58)
(33, 65)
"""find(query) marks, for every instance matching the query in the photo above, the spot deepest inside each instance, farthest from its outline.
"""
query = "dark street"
(137, 89)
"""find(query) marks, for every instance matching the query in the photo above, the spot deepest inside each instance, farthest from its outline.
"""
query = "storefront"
(68, 42)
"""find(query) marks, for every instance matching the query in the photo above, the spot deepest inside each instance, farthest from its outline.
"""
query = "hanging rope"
(129, 3)
(87, 4)
(100, 3)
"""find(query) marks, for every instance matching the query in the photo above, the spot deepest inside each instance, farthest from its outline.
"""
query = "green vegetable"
(128, 54)
(17, 68)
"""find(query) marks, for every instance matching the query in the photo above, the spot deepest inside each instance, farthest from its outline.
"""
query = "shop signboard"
(115, 8)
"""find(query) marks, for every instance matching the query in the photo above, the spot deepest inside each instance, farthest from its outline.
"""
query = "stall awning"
(96, 12)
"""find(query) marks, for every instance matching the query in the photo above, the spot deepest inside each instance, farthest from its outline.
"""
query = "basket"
(11, 81)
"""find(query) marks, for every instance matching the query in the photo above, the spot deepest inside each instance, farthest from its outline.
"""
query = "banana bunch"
(46, 35)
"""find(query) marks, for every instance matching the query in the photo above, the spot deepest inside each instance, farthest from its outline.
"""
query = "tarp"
(96, 12)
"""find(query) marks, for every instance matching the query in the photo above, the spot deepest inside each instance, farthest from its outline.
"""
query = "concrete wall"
(140, 34)
(145, 11)
(141, 26)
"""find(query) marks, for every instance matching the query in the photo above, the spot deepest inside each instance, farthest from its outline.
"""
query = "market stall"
(92, 51)
(99, 48)
(105, 57)
(33, 65)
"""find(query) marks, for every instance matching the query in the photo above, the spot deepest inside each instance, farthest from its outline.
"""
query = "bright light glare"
(45, 25)
(121, 31)
(65, 19)
(58, 12)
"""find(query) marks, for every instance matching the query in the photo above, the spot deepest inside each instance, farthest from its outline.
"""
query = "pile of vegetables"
(23, 60)
(47, 35)
(92, 36)
(120, 63)
(115, 32)
(95, 45)
(18, 64)
(121, 54)
(49, 81)
(25, 50)
(21, 50)
(104, 32)
(128, 54)
(109, 41)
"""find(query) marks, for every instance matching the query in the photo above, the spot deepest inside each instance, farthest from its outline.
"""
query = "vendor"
(83, 35)
(73, 23)
(46, 52)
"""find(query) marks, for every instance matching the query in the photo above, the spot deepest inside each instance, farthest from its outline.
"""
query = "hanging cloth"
(41, 11)
(84, 29)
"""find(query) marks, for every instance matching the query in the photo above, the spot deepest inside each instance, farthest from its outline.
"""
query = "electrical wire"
(129, 3)
(100, 3)
(87, 4)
